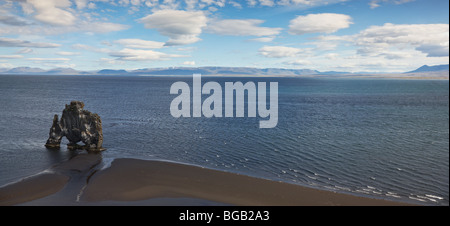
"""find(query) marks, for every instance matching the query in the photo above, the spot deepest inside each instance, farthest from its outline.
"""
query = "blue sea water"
(370, 137)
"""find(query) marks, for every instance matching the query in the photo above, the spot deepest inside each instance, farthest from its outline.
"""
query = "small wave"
(395, 196)
(434, 197)
(418, 199)
(427, 198)
(392, 194)
(342, 188)
(362, 191)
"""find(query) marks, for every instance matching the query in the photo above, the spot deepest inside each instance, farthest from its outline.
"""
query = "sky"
(323, 35)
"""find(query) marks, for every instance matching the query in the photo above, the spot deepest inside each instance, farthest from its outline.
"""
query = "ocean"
(380, 138)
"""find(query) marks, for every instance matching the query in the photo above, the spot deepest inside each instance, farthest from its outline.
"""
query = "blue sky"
(325, 35)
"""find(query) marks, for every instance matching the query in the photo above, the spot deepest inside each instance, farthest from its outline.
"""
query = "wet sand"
(32, 188)
(49, 182)
(132, 179)
(143, 182)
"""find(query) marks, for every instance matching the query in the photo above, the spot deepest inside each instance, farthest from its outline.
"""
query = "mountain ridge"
(203, 70)
(426, 68)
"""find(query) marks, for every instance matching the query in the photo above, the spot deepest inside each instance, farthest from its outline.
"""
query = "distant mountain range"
(245, 71)
(168, 71)
(426, 68)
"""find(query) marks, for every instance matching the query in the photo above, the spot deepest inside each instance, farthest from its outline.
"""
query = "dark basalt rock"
(77, 125)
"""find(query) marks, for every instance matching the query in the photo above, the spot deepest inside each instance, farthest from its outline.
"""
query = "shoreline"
(81, 181)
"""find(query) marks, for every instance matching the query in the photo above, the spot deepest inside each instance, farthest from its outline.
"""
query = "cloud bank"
(182, 27)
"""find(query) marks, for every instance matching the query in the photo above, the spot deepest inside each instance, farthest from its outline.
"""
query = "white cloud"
(48, 59)
(142, 55)
(212, 9)
(95, 27)
(13, 20)
(151, 3)
(190, 63)
(319, 23)
(25, 51)
(252, 2)
(376, 3)
(6, 65)
(386, 48)
(262, 39)
(297, 3)
(64, 53)
(249, 27)
(191, 4)
(81, 4)
(57, 65)
(235, 4)
(333, 38)
(53, 17)
(182, 27)
(124, 2)
(140, 44)
(279, 51)
(11, 56)
(9, 42)
(26, 8)
(219, 3)
(331, 56)
(136, 2)
(391, 55)
(267, 2)
(54, 12)
(92, 5)
(430, 39)
(81, 46)
(168, 4)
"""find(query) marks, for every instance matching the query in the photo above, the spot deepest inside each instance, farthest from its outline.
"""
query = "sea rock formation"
(77, 125)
